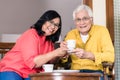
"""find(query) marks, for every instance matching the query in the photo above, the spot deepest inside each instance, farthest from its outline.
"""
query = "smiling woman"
(51, 26)
(33, 48)
(52, 23)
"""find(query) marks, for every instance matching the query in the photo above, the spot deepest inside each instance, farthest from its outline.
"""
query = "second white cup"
(48, 67)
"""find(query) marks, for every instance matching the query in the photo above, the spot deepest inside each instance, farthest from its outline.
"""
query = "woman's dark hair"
(47, 16)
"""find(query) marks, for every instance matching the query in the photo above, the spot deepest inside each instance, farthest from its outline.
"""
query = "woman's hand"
(62, 50)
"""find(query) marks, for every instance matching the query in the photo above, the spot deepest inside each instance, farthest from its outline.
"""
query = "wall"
(99, 14)
(18, 15)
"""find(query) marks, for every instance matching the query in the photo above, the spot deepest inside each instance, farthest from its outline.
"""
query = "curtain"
(117, 38)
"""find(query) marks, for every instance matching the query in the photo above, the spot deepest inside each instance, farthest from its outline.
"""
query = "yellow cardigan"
(99, 43)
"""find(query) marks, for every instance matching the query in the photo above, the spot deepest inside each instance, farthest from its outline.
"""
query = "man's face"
(83, 22)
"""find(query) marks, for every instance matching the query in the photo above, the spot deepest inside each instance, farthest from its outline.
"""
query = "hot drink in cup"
(71, 44)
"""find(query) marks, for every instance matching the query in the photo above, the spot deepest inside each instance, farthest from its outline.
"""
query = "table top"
(65, 74)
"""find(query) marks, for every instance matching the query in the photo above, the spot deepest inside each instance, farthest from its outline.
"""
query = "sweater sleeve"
(29, 48)
(107, 53)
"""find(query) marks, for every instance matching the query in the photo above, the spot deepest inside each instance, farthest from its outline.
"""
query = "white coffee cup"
(48, 67)
(71, 44)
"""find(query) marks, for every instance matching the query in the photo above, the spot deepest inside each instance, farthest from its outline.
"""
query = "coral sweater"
(20, 58)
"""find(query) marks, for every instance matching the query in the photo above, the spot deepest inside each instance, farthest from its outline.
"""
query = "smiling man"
(93, 42)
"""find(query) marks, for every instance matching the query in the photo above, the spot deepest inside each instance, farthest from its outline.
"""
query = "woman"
(33, 49)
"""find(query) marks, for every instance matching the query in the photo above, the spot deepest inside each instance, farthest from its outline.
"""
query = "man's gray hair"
(83, 7)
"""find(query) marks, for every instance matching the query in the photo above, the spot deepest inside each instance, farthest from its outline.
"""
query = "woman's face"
(50, 27)
(83, 22)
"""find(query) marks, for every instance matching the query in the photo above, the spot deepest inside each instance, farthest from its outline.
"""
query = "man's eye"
(78, 19)
(85, 18)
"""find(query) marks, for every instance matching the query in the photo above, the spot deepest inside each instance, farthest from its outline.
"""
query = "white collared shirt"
(84, 37)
